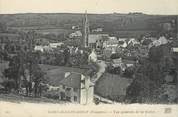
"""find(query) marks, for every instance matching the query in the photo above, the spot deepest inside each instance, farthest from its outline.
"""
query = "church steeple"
(86, 30)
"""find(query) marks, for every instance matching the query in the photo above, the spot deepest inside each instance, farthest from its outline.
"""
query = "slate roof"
(56, 74)
(73, 80)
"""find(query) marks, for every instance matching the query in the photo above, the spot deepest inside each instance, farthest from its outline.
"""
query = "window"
(63, 86)
(83, 81)
(68, 89)
(75, 98)
(62, 95)
(75, 89)
(68, 98)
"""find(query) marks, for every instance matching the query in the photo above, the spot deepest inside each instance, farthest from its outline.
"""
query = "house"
(55, 45)
(39, 48)
(95, 40)
(161, 41)
(97, 30)
(148, 40)
(77, 27)
(77, 88)
(175, 49)
(123, 42)
(93, 56)
(111, 42)
(122, 39)
(107, 53)
(124, 45)
(119, 63)
(133, 41)
(75, 34)
(71, 84)
(43, 48)
(128, 62)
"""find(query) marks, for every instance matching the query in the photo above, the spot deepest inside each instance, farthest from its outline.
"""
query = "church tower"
(86, 30)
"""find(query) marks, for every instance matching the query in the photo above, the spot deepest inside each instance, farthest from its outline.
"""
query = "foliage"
(149, 76)
(113, 70)
(129, 72)
(3, 27)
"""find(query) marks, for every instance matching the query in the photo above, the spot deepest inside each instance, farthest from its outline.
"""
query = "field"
(112, 86)
(44, 29)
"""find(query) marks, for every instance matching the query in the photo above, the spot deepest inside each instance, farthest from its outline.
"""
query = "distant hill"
(110, 22)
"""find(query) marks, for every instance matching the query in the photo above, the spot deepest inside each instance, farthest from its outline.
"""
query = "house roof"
(56, 74)
(73, 80)
(92, 38)
(126, 61)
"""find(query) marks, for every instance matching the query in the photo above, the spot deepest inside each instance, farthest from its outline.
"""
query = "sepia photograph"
(88, 57)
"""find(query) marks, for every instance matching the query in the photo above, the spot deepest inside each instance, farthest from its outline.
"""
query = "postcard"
(89, 58)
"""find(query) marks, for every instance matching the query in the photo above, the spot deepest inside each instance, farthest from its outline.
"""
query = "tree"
(14, 71)
(35, 72)
(66, 54)
(59, 58)
(129, 72)
(3, 27)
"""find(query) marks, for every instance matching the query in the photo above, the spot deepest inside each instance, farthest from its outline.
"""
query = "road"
(101, 69)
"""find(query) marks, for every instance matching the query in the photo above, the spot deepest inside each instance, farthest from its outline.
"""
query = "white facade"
(87, 91)
(124, 45)
(97, 30)
(75, 34)
(92, 38)
(92, 57)
(175, 49)
(161, 41)
(39, 48)
(55, 45)
(83, 94)
(133, 41)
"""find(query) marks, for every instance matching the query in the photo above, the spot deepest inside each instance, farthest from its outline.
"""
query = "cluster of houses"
(76, 85)
(48, 47)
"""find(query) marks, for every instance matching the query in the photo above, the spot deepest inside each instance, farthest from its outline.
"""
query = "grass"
(18, 99)
(3, 66)
(112, 85)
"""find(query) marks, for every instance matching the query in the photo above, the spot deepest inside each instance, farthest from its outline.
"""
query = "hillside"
(115, 23)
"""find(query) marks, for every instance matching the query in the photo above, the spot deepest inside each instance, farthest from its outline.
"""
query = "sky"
(165, 7)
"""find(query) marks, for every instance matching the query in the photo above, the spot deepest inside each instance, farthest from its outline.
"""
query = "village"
(90, 66)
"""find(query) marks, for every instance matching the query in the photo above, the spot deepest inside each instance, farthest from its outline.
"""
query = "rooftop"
(56, 74)
(73, 80)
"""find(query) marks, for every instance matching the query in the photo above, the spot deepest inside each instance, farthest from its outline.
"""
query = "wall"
(87, 92)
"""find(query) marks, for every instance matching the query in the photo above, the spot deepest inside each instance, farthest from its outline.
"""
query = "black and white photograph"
(89, 52)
